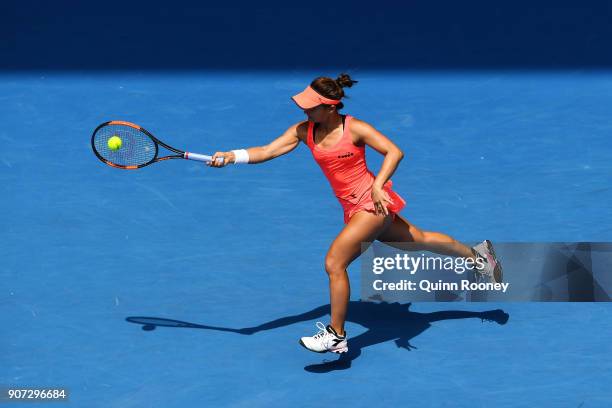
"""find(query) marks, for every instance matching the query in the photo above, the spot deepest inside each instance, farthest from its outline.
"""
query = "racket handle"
(201, 157)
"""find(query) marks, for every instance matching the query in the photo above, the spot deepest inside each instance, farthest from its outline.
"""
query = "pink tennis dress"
(345, 167)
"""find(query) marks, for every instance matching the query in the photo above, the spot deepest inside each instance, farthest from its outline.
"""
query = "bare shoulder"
(360, 130)
(301, 130)
(361, 127)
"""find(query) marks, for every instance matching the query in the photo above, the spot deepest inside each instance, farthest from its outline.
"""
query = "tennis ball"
(114, 143)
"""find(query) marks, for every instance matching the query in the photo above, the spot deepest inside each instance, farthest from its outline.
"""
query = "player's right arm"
(259, 154)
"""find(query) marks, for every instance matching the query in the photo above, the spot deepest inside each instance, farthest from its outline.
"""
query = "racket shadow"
(384, 322)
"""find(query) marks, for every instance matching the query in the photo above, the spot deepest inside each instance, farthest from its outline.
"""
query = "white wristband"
(241, 156)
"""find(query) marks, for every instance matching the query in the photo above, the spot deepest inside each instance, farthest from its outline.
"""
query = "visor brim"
(304, 101)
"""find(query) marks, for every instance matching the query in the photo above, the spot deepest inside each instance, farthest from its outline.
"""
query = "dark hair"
(332, 88)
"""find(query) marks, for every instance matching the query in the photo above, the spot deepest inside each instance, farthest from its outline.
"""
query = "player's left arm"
(364, 133)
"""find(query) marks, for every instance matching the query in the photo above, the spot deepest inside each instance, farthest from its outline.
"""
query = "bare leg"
(401, 230)
(363, 227)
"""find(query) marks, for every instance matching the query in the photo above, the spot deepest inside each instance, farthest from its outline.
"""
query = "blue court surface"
(229, 262)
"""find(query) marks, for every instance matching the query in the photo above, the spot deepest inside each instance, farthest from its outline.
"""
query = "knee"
(334, 267)
(428, 237)
(435, 238)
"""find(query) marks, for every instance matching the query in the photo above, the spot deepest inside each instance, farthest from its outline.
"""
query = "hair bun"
(345, 81)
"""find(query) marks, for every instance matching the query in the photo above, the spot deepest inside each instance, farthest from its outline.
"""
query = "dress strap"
(345, 129)
(310, 135)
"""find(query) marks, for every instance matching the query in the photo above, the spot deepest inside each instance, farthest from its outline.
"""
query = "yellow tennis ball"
(114, 143)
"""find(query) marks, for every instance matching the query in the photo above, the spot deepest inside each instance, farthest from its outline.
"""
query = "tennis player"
(371, 206)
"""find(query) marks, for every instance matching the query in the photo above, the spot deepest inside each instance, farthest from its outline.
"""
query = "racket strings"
(136, 149)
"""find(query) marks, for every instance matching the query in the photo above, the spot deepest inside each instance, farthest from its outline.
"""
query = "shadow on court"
(384, 321)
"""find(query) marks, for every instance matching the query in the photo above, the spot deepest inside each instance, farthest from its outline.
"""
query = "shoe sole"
(337, 351)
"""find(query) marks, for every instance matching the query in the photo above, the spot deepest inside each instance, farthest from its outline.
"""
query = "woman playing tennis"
(371, 207)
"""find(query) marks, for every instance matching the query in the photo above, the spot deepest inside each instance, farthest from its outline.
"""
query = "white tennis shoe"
(492, 271)
(325, 340)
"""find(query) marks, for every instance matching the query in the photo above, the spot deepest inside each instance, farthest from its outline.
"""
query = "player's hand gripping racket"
(125, 145)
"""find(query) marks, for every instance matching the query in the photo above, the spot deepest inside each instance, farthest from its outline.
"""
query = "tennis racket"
(137, 146)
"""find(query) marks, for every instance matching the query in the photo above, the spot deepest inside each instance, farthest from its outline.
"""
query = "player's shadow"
(384, 321)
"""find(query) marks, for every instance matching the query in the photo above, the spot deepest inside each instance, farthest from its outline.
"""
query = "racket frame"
(179, 153)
